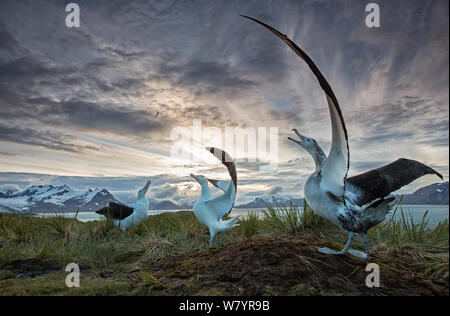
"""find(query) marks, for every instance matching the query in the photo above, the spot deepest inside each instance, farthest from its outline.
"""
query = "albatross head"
(311, 146)
(199, 178)
(307, 143)
(143, 191)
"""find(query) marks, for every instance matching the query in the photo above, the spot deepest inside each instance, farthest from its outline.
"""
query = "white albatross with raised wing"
(210, 211)
(357, 203)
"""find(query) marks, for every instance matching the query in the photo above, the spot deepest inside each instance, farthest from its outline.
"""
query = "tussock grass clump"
(291, 220)
(403, 232)
(18, 229)
(420, 247)
(249, 225)
(181, 230)
(282, 219)
(311, 220)
(156, 249)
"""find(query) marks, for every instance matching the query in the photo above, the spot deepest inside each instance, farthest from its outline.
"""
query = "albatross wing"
(335, 169)
(116, 210)
(227, 161)
(223, 204)
(380, 182)
(220, 184)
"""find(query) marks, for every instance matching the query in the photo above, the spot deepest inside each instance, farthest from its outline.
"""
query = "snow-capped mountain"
(263, 202)
(49, 198)
(434, 194)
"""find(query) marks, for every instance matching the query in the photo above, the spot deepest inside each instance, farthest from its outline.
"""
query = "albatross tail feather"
(375, 213)
(229, 224)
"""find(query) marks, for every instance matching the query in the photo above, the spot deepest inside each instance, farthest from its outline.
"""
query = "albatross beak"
(194, 176)
(147, 185)
(302, 138)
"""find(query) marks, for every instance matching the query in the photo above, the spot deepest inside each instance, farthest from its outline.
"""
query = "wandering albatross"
(357, 203)
(209, 211)
(127, 216)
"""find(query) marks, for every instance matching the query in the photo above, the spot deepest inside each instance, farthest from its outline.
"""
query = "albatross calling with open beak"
(209, 211)
(127, 216)
(357, 203)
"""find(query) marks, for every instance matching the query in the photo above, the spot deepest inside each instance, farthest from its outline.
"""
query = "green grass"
(282, 219)
(250, 225)
(285, 219)
(44, 246)
(398, 233)
(310, 220)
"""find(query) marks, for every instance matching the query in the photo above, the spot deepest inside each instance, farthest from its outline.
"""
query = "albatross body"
(127, 216)
(357, 203)
(210, 211)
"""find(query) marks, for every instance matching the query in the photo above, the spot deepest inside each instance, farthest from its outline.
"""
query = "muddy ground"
(284, 266)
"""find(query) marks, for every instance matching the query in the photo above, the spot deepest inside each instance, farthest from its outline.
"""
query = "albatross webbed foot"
(359, 254)
(355, 253)
(329, 251)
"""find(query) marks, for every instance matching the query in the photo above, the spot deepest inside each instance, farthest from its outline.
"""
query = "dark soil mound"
(288, 266)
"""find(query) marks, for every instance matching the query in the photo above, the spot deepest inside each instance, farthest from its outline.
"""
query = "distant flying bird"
(127, 216)
(156, 115)
(357, 203)
(209, 211)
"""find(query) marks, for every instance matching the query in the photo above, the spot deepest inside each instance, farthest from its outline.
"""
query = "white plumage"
(357, 203)
(210, 211)
(127, 216)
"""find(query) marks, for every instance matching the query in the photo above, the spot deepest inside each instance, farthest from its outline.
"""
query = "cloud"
(41, 138)
(7, 154)
(275, 190)
(164, 192)
(200, 60)
(91, 116)
(207, 76)
(21, 103)
(8, 44)
(9, 187)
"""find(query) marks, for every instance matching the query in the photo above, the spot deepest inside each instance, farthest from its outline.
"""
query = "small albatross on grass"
(357, 203)
(209, 211)
(127, 216)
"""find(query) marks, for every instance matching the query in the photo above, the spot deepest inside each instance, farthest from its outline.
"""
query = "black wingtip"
(250, 18)
(267, 26)
(226, 160)
(256, 20)
(213, 182)
(322, 81)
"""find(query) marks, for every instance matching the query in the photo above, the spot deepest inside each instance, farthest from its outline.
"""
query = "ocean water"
(437, 213)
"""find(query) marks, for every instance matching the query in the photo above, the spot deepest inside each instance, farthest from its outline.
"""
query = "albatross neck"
(318, 156)
(206, 193)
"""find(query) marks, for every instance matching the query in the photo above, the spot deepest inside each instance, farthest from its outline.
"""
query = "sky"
(107, 104)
